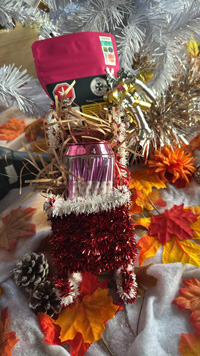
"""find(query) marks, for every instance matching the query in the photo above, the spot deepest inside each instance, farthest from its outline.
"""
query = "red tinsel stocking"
(95, 243)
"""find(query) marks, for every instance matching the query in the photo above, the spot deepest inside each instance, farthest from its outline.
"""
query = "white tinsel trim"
(56, 206)
(74, 283)
(119, 282)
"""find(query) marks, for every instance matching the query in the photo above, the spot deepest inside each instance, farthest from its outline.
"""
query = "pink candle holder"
(93, 164)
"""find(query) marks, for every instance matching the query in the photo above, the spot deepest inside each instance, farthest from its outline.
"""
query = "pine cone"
(31, 271)
(44, 299)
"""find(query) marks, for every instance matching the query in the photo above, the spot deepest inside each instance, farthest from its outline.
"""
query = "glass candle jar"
(93, 164)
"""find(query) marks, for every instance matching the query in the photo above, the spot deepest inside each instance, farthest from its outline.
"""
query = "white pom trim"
(119, 282)
(74, 279)
(56, 206)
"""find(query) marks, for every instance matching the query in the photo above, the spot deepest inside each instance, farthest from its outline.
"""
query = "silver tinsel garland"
(18, 87)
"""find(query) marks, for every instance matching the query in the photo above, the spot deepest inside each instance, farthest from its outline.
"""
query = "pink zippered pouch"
(78, 55)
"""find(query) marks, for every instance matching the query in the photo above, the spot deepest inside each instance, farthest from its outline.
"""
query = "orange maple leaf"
(87, 317)
(144, 179)
(8, 339)
(15, 225)
(149, 246)
(189, 298)
(35, 129)
(189, 345)
(12, 129)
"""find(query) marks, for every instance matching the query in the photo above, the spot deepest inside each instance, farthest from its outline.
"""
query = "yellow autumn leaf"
(144, 179)
(87, 317)
(155, 197)
(192, 47)
(195, 225)
(185, 251)
(149, 246)
(143, 222)
(189, 345)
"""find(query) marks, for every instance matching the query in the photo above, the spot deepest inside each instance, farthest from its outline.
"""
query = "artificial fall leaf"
(142, 225)
(193, 145)
(185, 251)
(189, 345)
(12, 129)
(155, 198)
(143, 222)
(140, 201)
(87, 317)
(189, 298)
(15, 225)
(135, 209)
(149, 246)
(90, 283)
(195, 320)
(144, 280)
(7, 339)
(178, 163)
(193, 47)
(35, 129)
(77, 345)
(174, 221)
(144, 179)
(195, 226)
(40, 145)
(49, 329)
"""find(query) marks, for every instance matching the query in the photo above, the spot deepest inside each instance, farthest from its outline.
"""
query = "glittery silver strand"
(129, 40)
(166, 48)
(15, 86)
(12, 11)
(55, 5)
(97, 15)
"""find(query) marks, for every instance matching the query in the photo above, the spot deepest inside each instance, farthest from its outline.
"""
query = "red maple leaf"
(90, 283)
(49, 329)
(174, 221)
(77, 346)
(189, 298)
(7, 339)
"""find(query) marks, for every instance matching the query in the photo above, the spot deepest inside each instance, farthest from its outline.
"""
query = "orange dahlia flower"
(175, 163)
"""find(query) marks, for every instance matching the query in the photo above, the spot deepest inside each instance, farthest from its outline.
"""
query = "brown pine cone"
(32, 270)
(44, 299)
